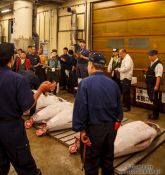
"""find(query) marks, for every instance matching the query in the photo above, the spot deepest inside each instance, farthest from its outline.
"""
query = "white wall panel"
(80, 21)
(63, 41)
(4, 22)
(53, 29)
(38, 24)
(65, 23)
(5, 29)
(47, 25)
(41, 27)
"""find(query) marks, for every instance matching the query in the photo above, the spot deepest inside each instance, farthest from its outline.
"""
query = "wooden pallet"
(67, 137)
(121, 164)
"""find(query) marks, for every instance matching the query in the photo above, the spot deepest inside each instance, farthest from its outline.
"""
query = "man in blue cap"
(82, 55)
(97, 115)
(15, 98)
(153, 79)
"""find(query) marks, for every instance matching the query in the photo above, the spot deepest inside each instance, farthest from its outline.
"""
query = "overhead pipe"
(35, 35)
(73, 35)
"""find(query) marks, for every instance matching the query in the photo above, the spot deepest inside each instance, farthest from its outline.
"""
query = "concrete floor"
(53, 158)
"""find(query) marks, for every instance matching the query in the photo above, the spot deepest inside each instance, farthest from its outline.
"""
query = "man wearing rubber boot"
(153, 79)
(97, 115)
(15, 98)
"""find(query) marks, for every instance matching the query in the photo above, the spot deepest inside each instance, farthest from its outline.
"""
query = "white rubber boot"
(58, 88)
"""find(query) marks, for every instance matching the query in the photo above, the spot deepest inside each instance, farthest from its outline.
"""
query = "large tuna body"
(134, 137)
(131, 137)
(55, 112)
(45, 101)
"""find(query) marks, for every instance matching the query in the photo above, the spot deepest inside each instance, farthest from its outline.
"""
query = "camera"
(81, 51)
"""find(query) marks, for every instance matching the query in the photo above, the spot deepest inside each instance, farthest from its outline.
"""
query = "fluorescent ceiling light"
(6, 10)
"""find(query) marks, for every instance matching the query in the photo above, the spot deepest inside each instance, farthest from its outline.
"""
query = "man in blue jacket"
(97, 115)
(15, 99)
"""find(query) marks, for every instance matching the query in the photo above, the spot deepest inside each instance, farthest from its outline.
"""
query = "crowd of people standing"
(64, 70)
(97, 112)
(68, 69)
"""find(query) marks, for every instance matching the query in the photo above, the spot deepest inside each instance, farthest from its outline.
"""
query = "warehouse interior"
(135, 25)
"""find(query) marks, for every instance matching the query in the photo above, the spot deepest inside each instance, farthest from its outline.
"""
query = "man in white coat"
(126, 73)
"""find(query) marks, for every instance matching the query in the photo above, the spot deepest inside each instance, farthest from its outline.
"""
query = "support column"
(22, 34)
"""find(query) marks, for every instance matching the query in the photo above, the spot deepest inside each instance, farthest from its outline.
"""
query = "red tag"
(117, 125)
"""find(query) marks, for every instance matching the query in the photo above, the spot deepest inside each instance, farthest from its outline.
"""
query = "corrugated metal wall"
(132, 24)
(4, 21)
(47, 25)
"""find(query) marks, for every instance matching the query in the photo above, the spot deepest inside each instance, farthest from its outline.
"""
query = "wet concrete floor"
(53, 158)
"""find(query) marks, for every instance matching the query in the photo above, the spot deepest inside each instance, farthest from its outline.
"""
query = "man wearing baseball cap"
(97, 115)
(15, 98)
(115, 62)
(153, 79)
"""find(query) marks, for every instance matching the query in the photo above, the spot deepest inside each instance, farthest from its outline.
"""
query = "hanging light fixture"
(6, 10)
